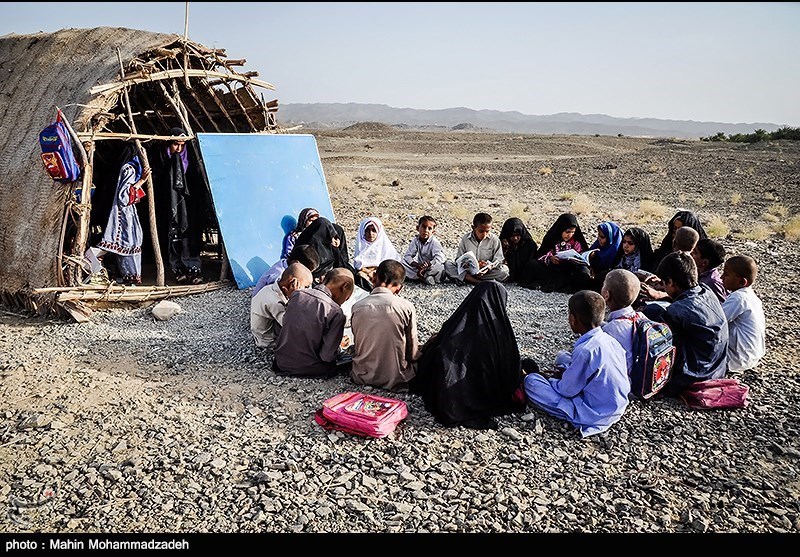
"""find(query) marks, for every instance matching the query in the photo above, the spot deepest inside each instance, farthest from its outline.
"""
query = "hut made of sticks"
(112, 85)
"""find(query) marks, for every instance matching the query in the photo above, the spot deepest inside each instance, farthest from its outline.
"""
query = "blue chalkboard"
(259, 184)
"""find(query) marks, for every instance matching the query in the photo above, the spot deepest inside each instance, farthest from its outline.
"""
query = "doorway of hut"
(203, 233)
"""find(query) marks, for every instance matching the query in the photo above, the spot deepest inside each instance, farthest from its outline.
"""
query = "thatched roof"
(41, 71)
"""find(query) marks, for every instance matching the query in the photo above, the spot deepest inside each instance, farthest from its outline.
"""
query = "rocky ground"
(128, 424)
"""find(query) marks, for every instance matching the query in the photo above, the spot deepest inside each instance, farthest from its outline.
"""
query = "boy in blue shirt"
(591, 389)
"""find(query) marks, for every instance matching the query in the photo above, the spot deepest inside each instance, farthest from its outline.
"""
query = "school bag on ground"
(716, 393)
(57, 155)
(361, 414)
(653, 355)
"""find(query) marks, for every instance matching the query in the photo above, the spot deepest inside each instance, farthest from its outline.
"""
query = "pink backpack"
(716, 393)
(361, 414)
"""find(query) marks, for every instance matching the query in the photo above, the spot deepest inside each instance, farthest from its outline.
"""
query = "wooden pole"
(151, 203)
(83, 208)
(185, 48)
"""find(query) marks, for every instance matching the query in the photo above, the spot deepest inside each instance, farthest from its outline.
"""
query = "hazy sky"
(722, 62)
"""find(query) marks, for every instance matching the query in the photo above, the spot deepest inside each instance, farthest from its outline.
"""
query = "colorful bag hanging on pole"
(57, 154)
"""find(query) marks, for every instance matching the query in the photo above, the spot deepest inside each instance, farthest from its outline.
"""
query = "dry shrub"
(770, 218)
(339, 183)
(567, 196)
(455, 170)
(655, 169)
(652, 209)
(717, 173)
(758, 232)
(736, 198)
(791, 230)
(545, 171)
(778, 210)
(359, 194)
(581, 204)
(717, 227)
(613, 171)
(700, 202)
(448, 196)
(682, 198)
(768, 196)
(518, 209)
(572, 173)
(459, 212)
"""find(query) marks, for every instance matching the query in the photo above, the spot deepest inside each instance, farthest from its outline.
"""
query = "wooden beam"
(213, 94)
(203, 108)
(94, 136)
(134, 79)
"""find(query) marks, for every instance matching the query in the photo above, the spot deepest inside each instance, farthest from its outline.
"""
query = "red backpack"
(361, 414)
(57, 155)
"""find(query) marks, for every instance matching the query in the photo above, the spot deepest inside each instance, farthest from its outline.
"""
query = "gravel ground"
(128, 424)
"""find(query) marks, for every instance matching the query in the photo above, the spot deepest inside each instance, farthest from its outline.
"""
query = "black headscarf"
(553, 236)
(688, 218)
(521, 257)
(319, 234)
(469, 371)
(642, 240)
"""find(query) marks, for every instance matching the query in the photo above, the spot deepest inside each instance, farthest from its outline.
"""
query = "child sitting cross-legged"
(487, 249)
(424, 258)
(591, 386)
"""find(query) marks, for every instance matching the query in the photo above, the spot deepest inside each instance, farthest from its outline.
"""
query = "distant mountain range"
(340, 115)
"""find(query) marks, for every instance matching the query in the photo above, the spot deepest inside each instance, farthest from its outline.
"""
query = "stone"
(165, 310)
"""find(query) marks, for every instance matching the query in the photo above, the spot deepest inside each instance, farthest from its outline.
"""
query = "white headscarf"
(371, 254)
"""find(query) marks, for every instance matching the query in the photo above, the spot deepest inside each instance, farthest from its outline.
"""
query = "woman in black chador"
(470, 370)
(181, 202)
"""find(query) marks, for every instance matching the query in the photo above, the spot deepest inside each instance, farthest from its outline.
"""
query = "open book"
(468, 263)
(575, 257)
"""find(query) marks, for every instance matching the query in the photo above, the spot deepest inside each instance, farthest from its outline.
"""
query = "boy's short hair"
(297, 270)
(622, 286)
(390, 272)
(305, 254)
(712, 251)
(743, 266)
(424, 218)
(685, 239)
(481, 218)
(680, 268)
(338, 274)
(588, 307)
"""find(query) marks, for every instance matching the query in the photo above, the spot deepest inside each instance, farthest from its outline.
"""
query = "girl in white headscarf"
(372, 247)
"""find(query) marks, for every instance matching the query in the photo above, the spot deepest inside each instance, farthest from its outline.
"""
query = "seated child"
(556, 274)
(372, 247)
(385, 333)
(519, 250)
(486, 248)
(306, 217)
(591, 391)
(268, 306)
(313, 328)
(304, 254)
(708, 255)
(698, 324)
(745, 314)
(679, 219)
(620, 289)
(684, 240)
(608, 254)
(424, 258)
(637, 253)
